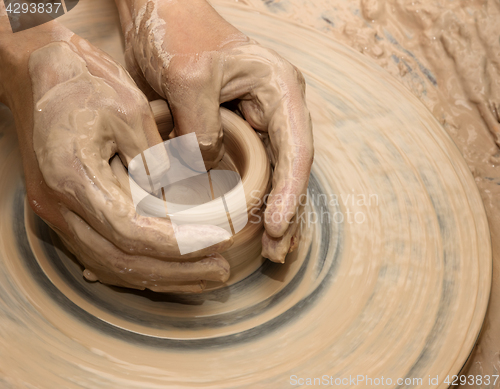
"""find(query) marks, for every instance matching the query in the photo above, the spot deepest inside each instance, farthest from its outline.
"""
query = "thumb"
(141, 148)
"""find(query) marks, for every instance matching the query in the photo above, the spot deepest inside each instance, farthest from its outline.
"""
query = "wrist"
(15, 51)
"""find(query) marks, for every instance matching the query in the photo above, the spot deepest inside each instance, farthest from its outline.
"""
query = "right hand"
(85, 110)
(185, 52)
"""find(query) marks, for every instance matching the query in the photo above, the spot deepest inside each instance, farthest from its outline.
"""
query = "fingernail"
(89, 276)
(220, 268)
(206, 142)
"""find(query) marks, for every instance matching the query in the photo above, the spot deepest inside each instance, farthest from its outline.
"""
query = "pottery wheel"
(391, 278)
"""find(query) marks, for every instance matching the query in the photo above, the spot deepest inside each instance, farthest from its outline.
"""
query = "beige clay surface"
(391, 278)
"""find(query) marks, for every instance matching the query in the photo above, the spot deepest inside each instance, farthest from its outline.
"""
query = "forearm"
(187, 26)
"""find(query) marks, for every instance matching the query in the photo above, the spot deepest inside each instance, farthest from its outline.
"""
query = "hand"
(75, 108)
(187, 54)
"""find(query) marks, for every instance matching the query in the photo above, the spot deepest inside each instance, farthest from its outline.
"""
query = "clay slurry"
(25, 14)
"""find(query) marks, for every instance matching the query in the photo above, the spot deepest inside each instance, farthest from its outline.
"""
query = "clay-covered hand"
(82, 110)
(186, 53)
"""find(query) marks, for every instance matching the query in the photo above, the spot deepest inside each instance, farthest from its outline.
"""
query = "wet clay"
(394, 287)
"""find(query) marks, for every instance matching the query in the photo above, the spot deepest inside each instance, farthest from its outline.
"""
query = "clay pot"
(246, 155)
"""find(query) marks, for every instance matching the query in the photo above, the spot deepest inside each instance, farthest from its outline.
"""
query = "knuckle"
(289, 70)
(189, 72)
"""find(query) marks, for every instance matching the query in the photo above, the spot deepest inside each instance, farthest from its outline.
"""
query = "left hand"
(79, 118)
(186, 53)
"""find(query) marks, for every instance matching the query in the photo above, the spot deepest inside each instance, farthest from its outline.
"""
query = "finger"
(93, 267)
(296, 236)
(136, 132)
(163, 117)
(187, 234)
(110, 265)
(276, 249)
(194, 97)
(290, 133)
